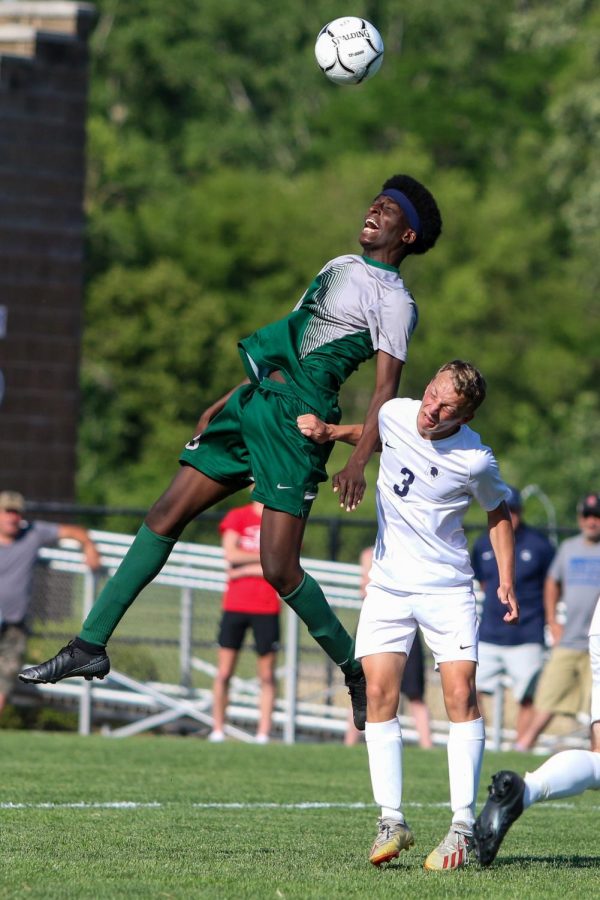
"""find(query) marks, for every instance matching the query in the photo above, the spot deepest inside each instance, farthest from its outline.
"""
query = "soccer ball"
(349, 50)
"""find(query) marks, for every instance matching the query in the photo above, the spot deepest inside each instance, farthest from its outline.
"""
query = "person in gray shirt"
(574, 578)
(19, 544)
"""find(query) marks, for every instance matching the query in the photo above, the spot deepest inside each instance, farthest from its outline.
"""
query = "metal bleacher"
(195, 571)
(312, 702)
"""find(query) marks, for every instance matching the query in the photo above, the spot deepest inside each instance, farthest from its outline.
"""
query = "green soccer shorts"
(255, 438)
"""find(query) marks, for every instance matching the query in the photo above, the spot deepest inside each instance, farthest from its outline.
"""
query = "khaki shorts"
(255, 438)
(565, 683)
(13, 640)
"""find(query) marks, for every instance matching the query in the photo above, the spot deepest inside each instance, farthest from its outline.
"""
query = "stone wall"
(43, 89)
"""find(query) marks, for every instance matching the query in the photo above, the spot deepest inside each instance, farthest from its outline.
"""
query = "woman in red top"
(249, 602)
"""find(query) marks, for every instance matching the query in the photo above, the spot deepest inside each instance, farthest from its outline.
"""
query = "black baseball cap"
(589, 506)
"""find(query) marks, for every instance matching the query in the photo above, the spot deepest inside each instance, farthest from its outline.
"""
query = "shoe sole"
(100, 673)
(432, 868)
(394, 854)
(488, 837)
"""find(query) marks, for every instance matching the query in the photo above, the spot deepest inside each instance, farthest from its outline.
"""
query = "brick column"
(43, 88)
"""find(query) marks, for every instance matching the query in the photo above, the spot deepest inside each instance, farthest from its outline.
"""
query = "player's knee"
(160, 518)
(281, 577)
(382, 698)
(460, 699)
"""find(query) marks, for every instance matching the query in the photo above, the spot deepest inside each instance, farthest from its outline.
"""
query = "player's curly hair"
(468, 382)
(427, 208)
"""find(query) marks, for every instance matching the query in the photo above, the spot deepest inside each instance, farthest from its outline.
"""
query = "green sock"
(309, 603)
(142, 562)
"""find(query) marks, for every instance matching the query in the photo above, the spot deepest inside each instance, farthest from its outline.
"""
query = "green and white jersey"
(354, 307)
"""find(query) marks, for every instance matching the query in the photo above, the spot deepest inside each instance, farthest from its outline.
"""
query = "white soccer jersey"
(423, 492)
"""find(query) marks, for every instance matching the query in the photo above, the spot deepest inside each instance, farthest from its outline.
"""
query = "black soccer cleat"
(68, 662)
(503, 807)
(357, 688)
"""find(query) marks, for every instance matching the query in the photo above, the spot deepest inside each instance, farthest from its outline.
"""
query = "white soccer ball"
(349, 50)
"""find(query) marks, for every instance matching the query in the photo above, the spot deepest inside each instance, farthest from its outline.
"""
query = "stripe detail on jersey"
(326, 296)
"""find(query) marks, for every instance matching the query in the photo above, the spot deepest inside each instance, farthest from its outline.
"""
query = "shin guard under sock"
(142, 562)
(309, 603)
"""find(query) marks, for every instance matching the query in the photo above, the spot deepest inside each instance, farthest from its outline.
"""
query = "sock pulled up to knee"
(140, 565)
(384, 746)
(309, 603)
(565, 774)
(466, 742)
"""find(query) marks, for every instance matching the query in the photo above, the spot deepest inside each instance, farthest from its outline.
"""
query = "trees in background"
(224, 170)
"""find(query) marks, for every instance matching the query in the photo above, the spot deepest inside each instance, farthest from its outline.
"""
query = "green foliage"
(224, 170)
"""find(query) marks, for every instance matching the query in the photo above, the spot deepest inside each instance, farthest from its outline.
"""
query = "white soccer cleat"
(392, 837)
(453, 852)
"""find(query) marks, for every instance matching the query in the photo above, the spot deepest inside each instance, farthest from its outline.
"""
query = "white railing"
(197, 573)
(199, 568)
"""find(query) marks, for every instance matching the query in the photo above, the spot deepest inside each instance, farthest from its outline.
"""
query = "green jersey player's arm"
(216, 407)
(350, 482)
(321, 432)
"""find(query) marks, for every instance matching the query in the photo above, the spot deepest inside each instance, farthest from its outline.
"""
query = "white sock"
(384, 746)
(563, 775)
(466, 741)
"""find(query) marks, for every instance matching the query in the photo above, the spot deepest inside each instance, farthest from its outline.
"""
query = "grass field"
(178, 817)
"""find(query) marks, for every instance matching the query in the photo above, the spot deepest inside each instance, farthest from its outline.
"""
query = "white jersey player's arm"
(502, 538)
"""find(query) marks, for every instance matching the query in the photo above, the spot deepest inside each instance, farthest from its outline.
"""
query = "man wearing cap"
(517, 652)
(574, 577)
(19, 544)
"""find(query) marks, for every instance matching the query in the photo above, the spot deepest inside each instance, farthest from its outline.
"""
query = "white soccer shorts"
(388, 623)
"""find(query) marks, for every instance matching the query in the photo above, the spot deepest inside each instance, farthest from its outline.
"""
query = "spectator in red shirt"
(249, 602)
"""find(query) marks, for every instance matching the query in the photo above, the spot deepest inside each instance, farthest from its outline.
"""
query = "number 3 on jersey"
(403, 488)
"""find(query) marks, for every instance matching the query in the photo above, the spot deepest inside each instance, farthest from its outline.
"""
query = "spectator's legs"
(266, 676)
(596, 737)
(524, 718)
(226, 662)
(539, 720)
(420, 713)
(353, 735)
